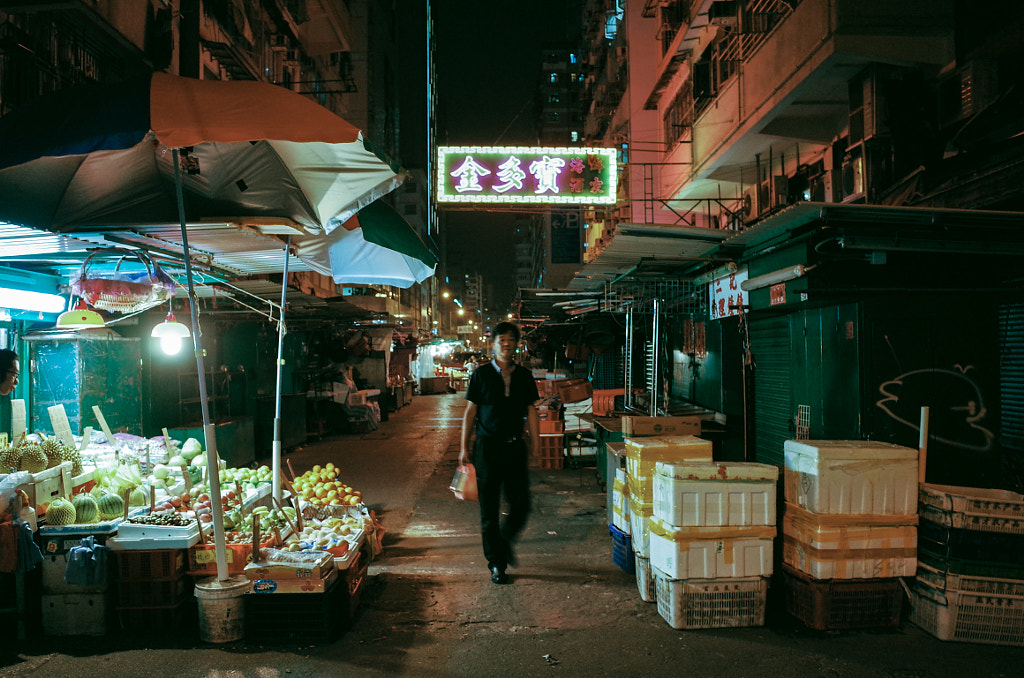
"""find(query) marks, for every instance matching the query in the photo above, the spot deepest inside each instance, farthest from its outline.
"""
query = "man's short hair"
(7, 358)
(505, 327)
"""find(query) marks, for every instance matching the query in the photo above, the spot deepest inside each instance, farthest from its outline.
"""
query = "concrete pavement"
(429, 609)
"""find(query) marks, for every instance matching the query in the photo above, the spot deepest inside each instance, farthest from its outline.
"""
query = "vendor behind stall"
(9, 371)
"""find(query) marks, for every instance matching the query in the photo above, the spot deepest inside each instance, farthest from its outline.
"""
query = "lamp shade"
(80, 318)
(170, 333)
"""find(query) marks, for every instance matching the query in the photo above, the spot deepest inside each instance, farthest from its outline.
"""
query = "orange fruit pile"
(322, 486)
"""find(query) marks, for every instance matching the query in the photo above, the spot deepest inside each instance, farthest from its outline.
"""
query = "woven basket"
(123, 292)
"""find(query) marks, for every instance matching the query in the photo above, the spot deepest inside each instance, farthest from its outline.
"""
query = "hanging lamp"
(81, 317)
(170, 333)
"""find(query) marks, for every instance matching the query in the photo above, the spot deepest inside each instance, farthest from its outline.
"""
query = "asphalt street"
(428, 608)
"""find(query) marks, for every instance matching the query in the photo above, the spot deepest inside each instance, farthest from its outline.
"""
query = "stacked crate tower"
(636, 505)
(710, 533)
(970, 576)
(849, 531)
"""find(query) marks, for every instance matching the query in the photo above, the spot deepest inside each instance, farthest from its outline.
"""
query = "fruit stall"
(120, 533)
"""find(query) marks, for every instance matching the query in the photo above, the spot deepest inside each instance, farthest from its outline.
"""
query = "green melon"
(86, 508)
(138, 497)
(60, 512)
(111, 506)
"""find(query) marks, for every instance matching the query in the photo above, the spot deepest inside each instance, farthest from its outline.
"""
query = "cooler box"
(695, 494)
(620, 502)
(639, 529)
(849, 547)
(710, 552)
(643, 453)
(851, 477)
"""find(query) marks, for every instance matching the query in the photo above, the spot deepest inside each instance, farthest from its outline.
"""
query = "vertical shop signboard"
(566, 238)
(725, 296)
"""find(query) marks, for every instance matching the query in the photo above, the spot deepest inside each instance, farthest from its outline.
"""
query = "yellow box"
(642, 454)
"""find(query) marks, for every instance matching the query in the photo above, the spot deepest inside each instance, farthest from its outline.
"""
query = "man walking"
(500, 410)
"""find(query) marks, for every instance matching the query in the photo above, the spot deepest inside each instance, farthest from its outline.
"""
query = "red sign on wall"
(777, 294)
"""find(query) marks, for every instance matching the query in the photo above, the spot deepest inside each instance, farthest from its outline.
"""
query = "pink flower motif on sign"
(576, 165)
(575, 184)
(595, 162)
(596, 185)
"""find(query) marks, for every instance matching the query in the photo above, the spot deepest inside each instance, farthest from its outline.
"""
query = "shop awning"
(650, 250)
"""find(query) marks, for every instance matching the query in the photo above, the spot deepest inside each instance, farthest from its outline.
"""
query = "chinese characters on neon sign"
(725, 295)
(469, 174)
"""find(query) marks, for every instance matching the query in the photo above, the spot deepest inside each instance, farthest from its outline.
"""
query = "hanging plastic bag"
(87, 563)
(464, 483)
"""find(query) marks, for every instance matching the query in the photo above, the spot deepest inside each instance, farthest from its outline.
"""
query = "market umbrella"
(376, 246)
(163, 149)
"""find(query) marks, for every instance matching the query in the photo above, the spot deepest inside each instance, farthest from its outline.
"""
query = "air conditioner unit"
(723, 13)
(751, 207)
(780, 190)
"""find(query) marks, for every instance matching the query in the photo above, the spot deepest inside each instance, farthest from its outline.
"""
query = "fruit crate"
(550, 453)
(935, 555)
(938, 579)
(622, 550)
(154, 593)
(551, 426)
(968, 617)
(843, 604)
(202, 558)
(149, 565)
(711, 603)
(969, 544)
(158, 622)
(297, 616)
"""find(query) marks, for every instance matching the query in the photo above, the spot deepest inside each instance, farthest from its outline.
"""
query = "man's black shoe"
(498, 576)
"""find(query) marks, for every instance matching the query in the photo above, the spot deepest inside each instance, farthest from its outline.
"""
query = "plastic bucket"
(221, 608)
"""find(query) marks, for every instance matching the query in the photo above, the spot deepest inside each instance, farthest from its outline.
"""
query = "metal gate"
(1011, 391)
(773, 409)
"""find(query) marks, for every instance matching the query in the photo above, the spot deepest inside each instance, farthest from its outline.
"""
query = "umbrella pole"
(212, 462)
(281, 331)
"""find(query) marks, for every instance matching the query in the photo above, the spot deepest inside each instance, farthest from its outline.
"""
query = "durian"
(33, 459)
(60, 512)
(86, 508)
(51, 447)
(9, 458)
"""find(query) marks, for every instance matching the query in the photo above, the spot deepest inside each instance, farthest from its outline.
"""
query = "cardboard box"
(656, 426)
(306, 585)
(315, 566)
(575, 390)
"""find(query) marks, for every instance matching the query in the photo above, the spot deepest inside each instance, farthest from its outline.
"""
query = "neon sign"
(521, 174)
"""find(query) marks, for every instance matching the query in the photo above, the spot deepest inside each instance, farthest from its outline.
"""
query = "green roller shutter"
(773, 409)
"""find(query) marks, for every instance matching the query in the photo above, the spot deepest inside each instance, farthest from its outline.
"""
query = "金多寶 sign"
(520, 174)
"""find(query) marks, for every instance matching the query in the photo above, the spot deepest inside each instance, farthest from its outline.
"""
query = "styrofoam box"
(639, 529)
(620, 502)
(75, 614)
(640, 487)
(851, 477)
(710, 552)
(715, 493)
(826, 548)
(645, 579)
(643, 453)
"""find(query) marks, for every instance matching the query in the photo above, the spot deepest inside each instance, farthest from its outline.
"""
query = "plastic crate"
(711, 603)
(973, 500)
(973, 521)
(967, 617)
(967, 566)
(149, 565)
(297, 616)
(155, 621)
(622, 550)
(155, 593)
(202, 558)
(550, 453)
(645, 579)
(967, 544)
(938, 579)
(548, 426)
(842, 604)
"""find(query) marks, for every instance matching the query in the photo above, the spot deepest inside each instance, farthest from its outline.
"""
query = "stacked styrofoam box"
(642, 454)
(573, 412)
(850, 514)
(620, 501)
(712, 530)
(970, 583)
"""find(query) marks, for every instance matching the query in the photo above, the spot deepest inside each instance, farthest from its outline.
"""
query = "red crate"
(550, 454)
(551, 426)
(159, 564)
(839, 604)
(157, 593)
(156, 621)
